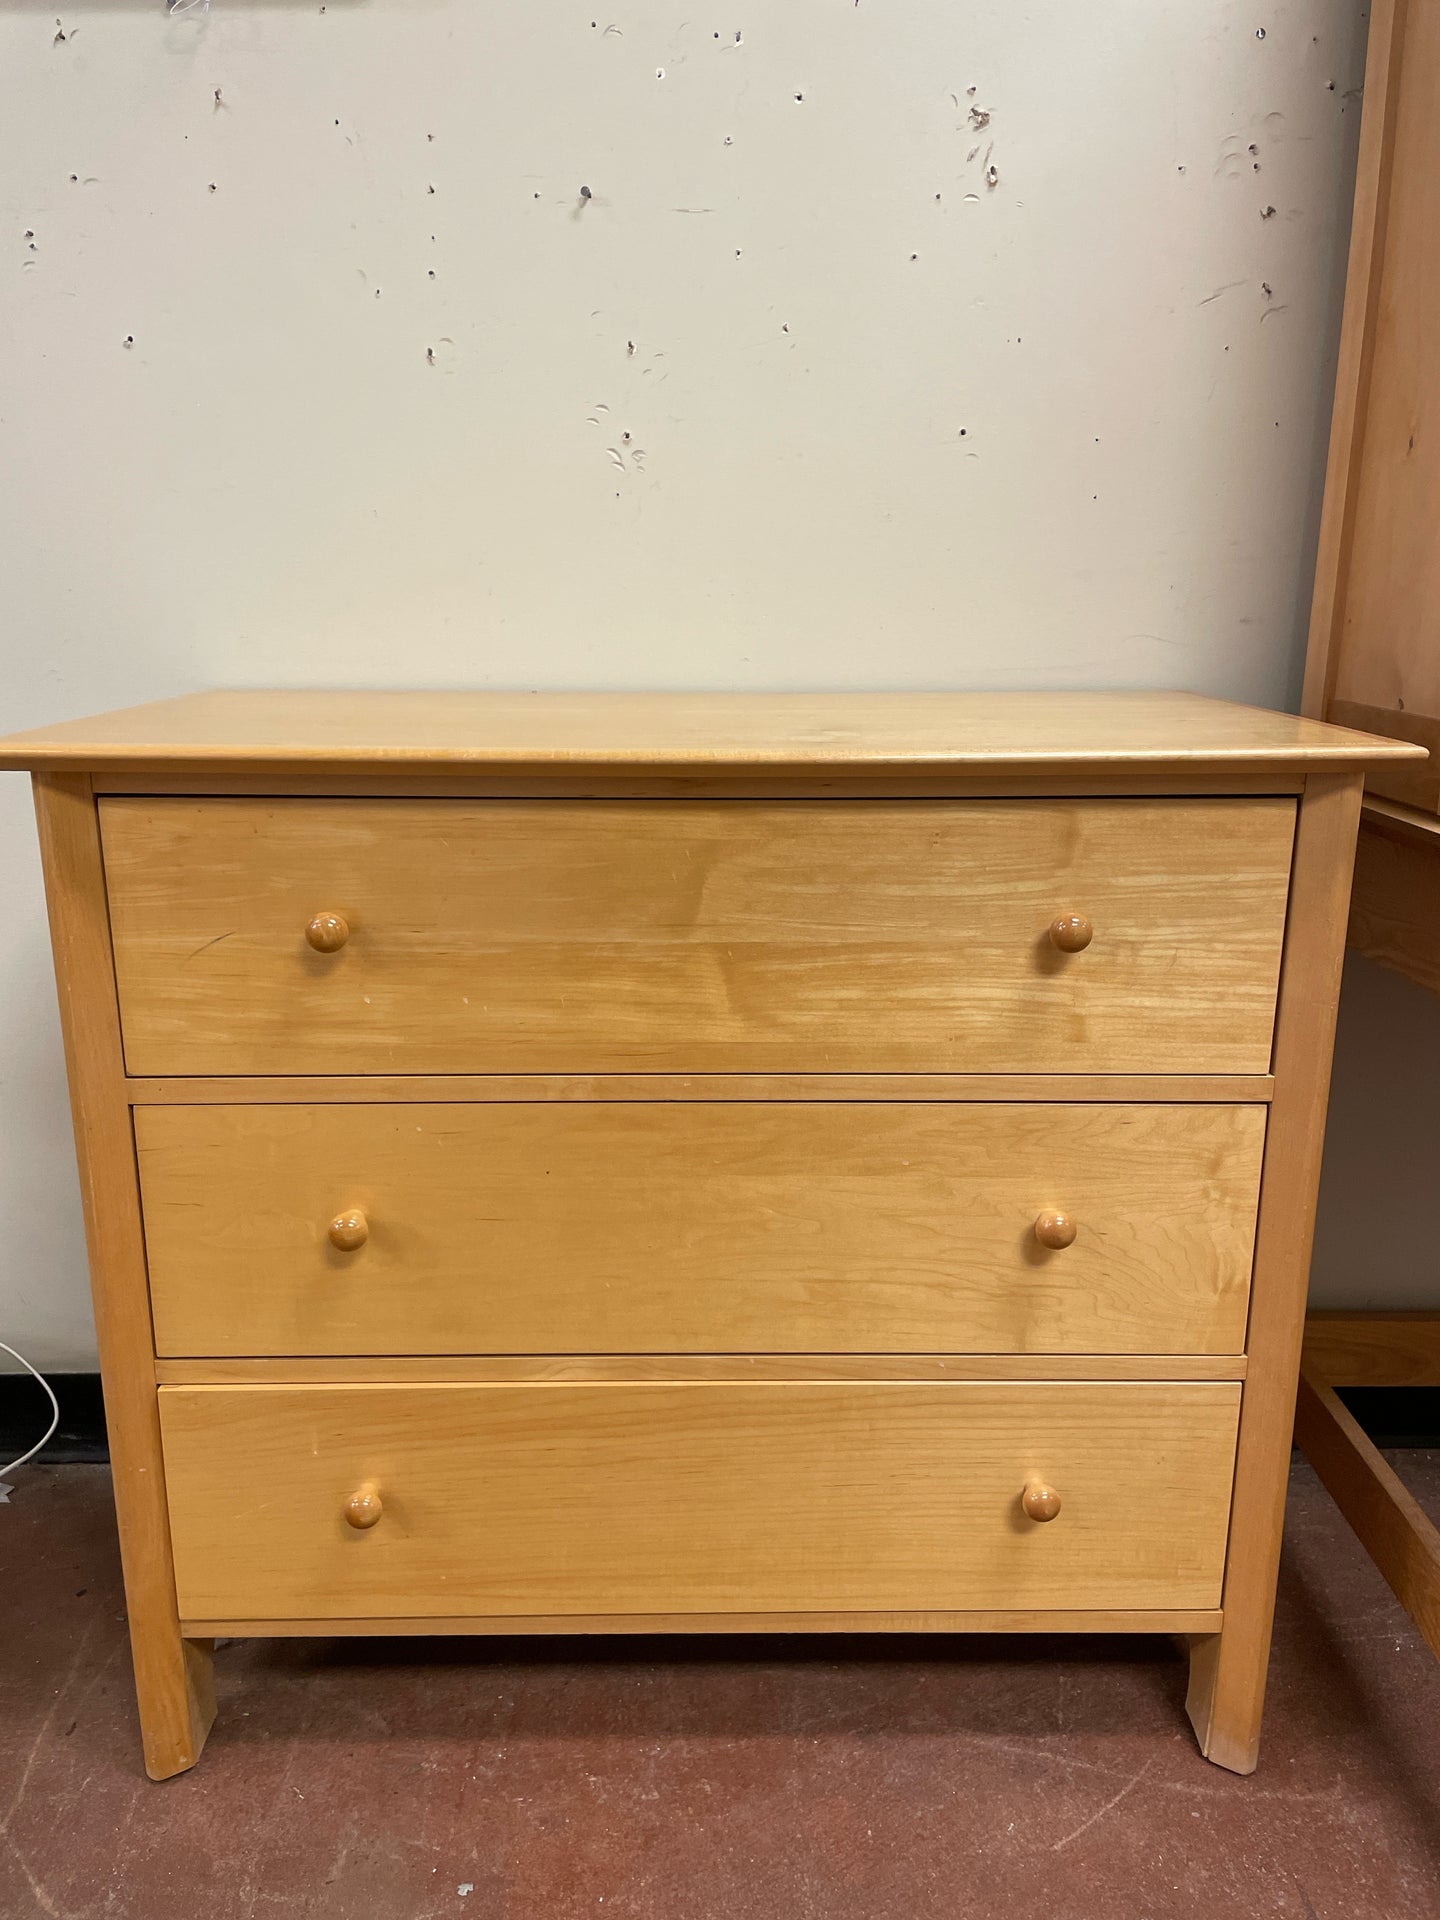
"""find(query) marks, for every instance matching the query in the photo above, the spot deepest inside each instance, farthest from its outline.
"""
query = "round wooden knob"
(328, 932)
(1052, 1228)
(350, 1230)
(1039, 1501)
(364, 1507)
(1071, 932)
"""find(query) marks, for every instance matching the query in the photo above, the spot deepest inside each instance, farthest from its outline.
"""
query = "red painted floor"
(974, 1779)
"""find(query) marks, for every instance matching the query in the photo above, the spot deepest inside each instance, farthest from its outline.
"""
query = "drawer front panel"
(696, 1497)
(675, 1227)
(612, 936)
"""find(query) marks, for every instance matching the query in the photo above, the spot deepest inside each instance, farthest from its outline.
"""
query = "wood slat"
(1374, 1349)
(1373, 170)
(389, 1088)
(1395, 907)
(347, 1369)
(1391, 1525)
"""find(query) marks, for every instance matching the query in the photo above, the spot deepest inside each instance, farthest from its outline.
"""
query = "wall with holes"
(783, 343)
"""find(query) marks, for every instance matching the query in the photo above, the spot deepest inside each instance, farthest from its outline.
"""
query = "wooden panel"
(1374, 1349)
(685, 733)
(305, 1090)
(699, 1227)
(390, 1369)
(672, 1499)
(1395, 908)
(1392, 1526)
(173, 1676)
(659, 936)
(1414, 782)
(1227, 1684)
(1387, 655)
(1357, 348)
(971, 1620)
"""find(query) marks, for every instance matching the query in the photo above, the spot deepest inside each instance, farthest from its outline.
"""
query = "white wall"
(795, 399)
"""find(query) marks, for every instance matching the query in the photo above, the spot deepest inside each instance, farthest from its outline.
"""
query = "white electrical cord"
(54, 1418)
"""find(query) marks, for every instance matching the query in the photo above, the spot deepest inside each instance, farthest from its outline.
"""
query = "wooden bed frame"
(1376, 606)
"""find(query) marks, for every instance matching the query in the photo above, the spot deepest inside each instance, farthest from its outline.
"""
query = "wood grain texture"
(1413, 782)
(1392, 1526)
(1367, 1349)
(343, 733)
(703, 1498)
(1357, 349)
(970, 1620)
(308, 1090)
(555, 936)
(1394, 816)
(1387, 658)
(1395, 906)
(650, 1228)
(1228, 1671)
(173, 1677)
(1189, 778)
(393, 1370)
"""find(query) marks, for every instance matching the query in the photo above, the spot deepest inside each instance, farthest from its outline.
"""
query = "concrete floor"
(975, 1779)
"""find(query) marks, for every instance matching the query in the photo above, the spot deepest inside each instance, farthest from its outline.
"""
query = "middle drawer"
(670, 1227)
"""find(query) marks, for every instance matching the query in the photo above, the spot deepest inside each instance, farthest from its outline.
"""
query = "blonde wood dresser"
(671, 1163)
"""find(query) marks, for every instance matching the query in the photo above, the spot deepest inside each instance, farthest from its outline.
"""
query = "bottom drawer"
(695, 1497)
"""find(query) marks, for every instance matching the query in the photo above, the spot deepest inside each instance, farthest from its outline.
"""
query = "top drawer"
(601, 936)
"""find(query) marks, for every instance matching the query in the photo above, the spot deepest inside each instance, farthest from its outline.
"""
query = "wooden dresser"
(618, 1163)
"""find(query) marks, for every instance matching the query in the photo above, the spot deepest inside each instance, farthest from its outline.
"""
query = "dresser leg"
(175, 1688)
(1227, 1669)
(1226, 1718)
(173, 1677)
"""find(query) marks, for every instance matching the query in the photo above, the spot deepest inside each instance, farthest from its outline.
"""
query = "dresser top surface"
(468, 732)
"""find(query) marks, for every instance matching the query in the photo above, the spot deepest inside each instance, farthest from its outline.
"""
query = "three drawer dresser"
(609, 1163)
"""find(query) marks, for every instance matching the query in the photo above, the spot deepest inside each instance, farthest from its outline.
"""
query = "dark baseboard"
(25, 1414)
(1392, 1416)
